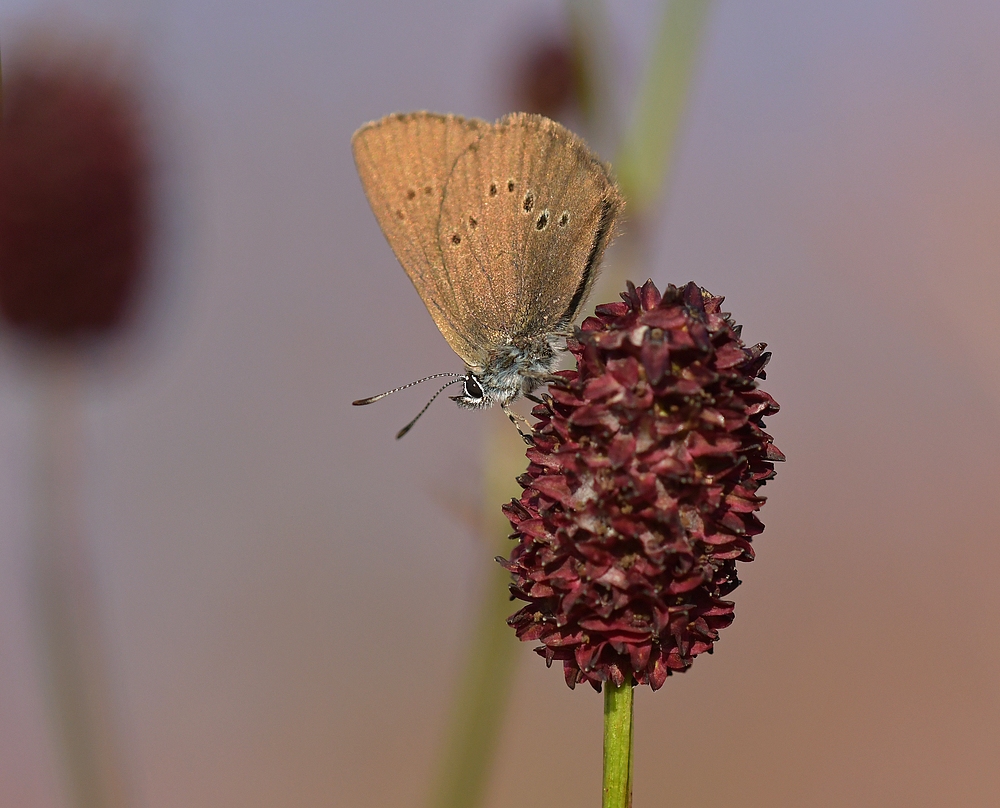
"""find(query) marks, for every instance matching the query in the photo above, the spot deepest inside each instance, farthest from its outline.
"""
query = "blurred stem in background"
(642, 167)
(67, 610)
(484, 686)
(643, 163)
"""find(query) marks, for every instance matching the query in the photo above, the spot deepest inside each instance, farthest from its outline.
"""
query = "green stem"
(617, 745)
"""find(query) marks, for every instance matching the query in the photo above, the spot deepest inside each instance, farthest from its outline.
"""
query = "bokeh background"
(287, 590)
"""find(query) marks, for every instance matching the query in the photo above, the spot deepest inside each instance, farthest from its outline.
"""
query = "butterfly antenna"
(362, 401)
(406, 428)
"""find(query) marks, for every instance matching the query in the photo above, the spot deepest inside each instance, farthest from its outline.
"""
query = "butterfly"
(501, 227)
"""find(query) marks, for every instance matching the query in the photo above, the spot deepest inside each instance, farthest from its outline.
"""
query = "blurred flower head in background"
(548, 78)
(641, 490)
(75, 192)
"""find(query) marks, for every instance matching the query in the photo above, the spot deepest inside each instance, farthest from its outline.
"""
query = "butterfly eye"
(472, 387)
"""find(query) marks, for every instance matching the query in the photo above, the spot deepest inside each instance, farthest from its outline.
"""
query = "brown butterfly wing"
(527, 212)
(404, 161)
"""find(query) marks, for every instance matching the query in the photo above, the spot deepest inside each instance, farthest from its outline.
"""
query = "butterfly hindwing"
(527, 212)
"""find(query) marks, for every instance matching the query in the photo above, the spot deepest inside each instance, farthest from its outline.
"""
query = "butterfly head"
(511, 370)
(482, 389)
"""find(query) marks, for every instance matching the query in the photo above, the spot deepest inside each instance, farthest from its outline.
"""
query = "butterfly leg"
(517, 420)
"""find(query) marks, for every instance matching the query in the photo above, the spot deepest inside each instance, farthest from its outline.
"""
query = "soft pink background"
(287, 589)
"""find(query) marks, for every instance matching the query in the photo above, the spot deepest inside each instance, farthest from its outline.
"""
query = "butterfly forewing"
(404, 162)
(527, 212)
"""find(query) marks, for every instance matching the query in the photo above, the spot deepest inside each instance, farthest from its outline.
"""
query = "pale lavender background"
(287, 588)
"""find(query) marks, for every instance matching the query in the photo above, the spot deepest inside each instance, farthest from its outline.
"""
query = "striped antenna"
(406, 428)
(362, 401)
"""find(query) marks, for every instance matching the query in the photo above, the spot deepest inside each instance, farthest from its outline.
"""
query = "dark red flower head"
(641, 490)
(549, 78)
(74, 196)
